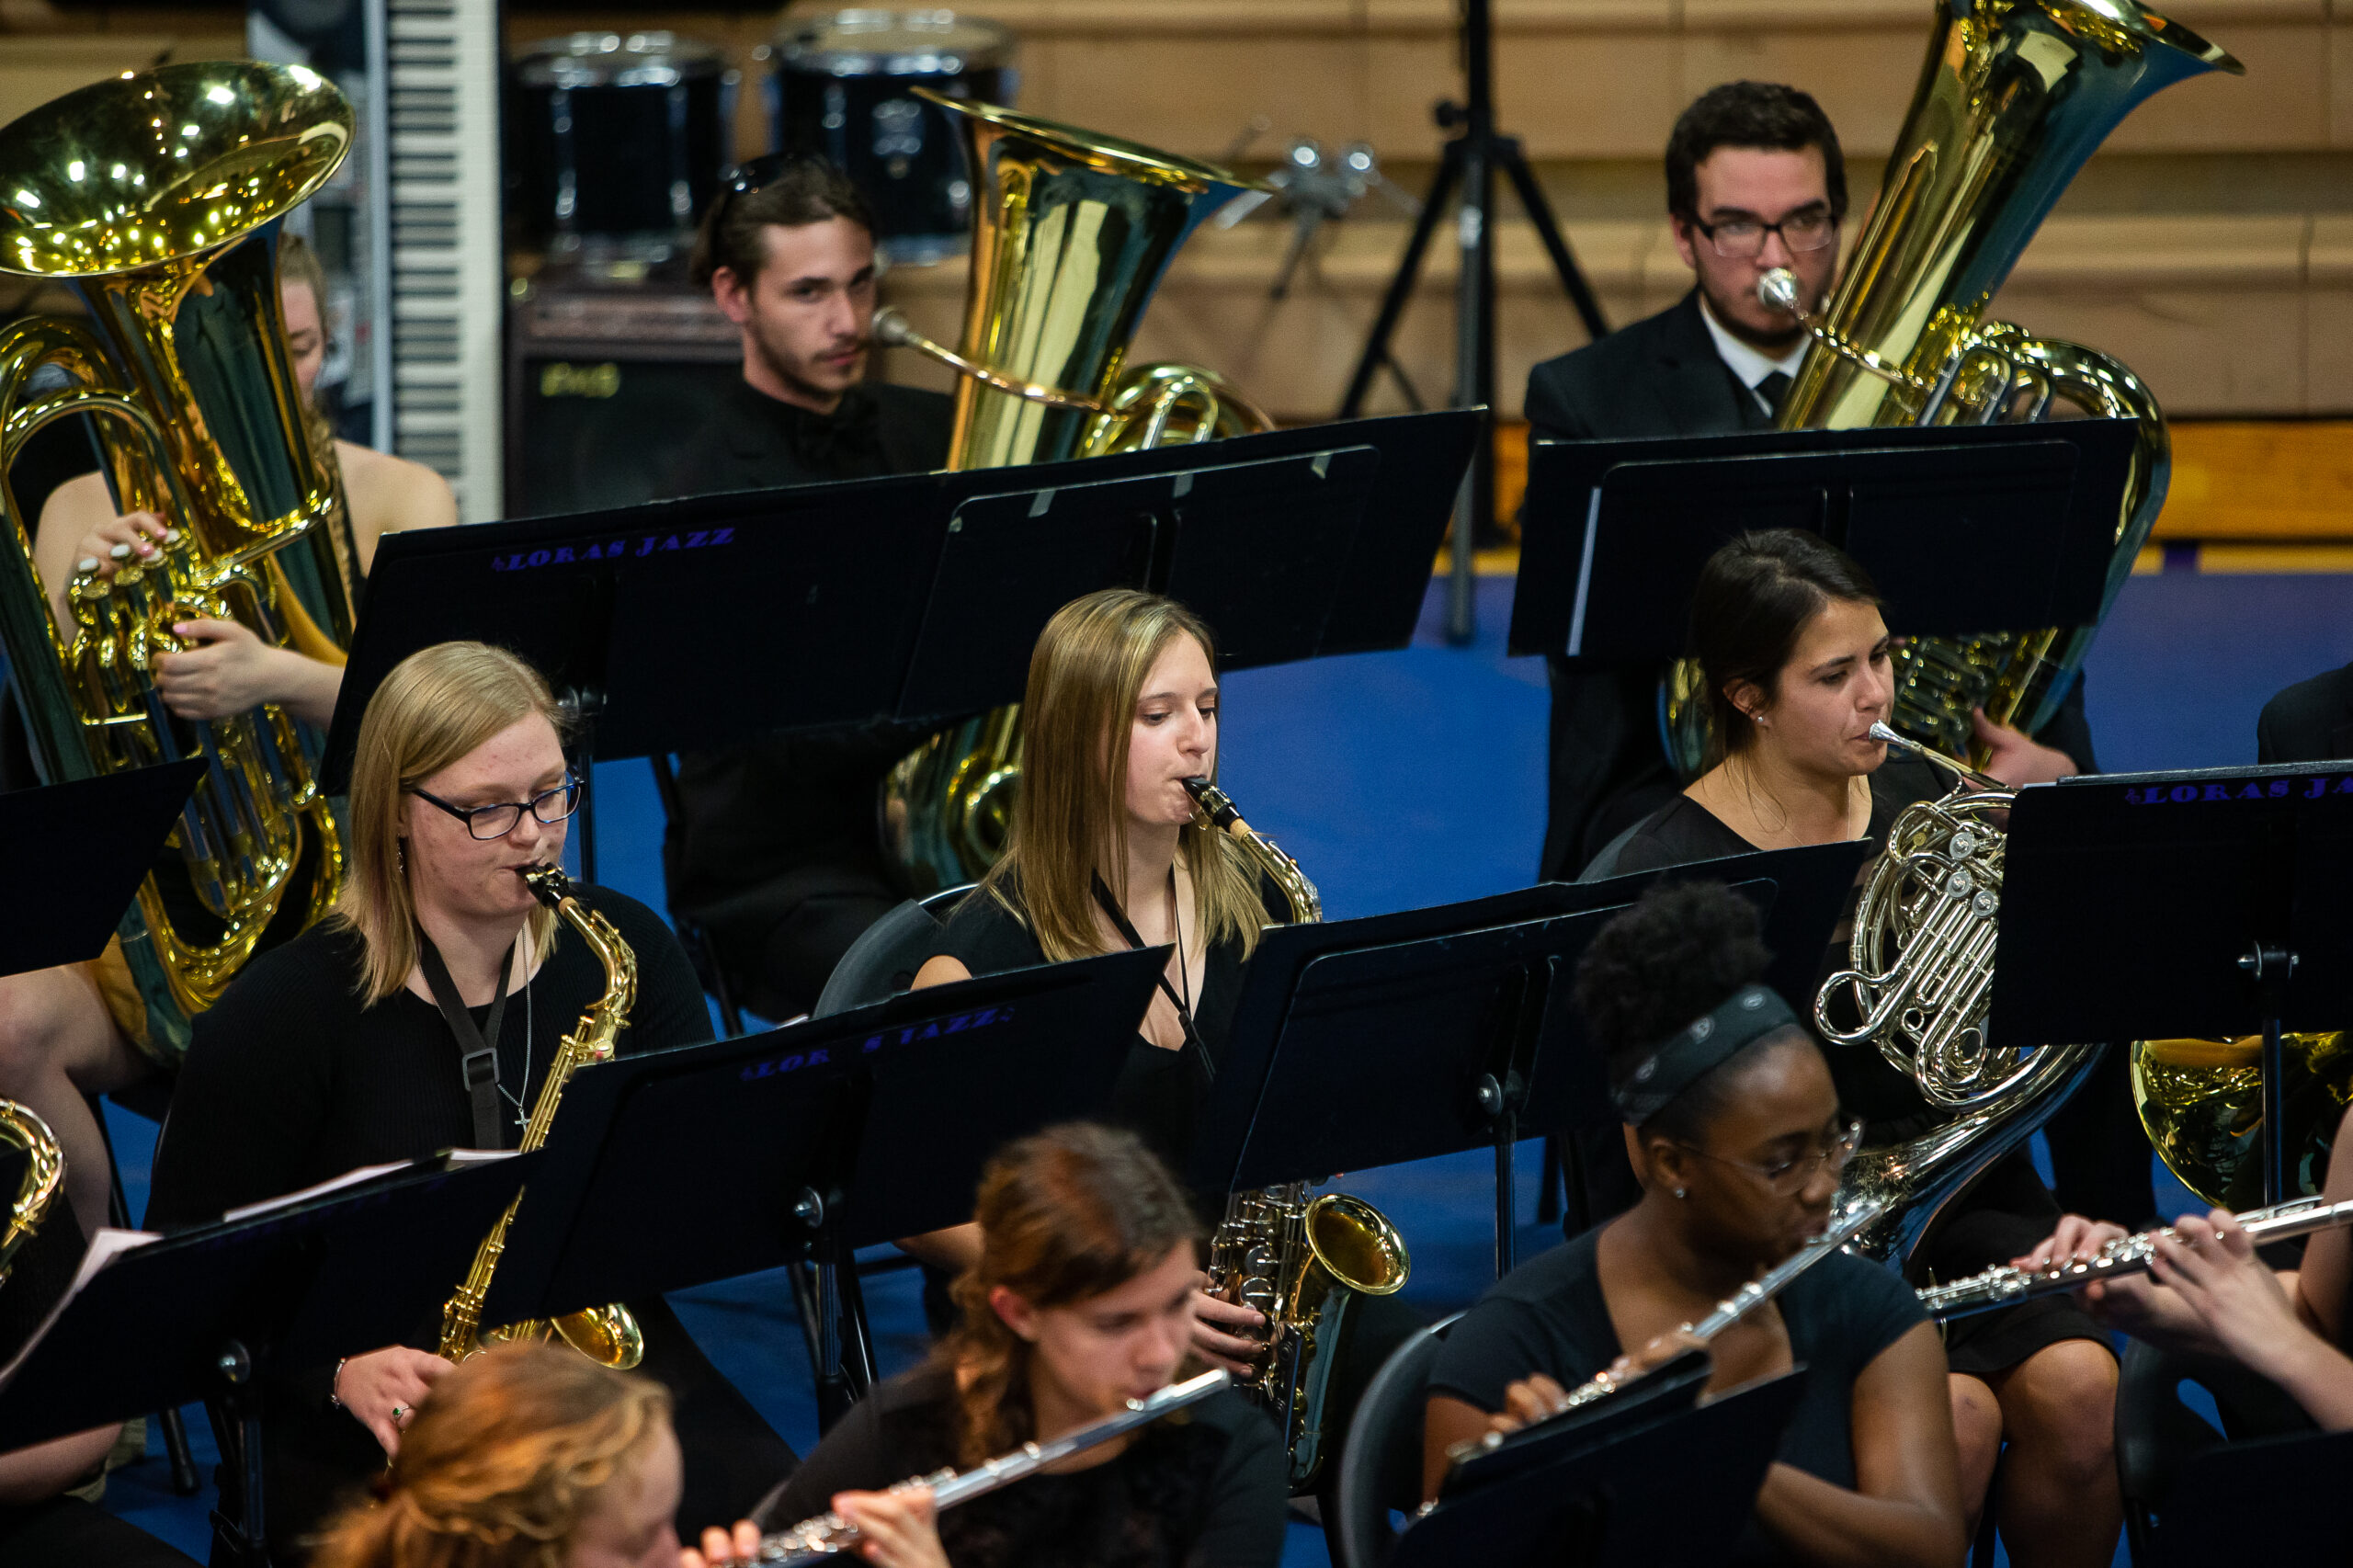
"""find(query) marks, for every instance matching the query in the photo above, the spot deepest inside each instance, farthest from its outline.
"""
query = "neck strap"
(477, 1048)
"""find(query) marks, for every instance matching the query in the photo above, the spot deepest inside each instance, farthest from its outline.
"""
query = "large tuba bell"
(156, 195)
(2201, 1104)
(1070, 232)
(1922, 952)
(2015, 97)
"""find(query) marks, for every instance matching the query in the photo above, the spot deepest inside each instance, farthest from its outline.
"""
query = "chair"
(691, 936)
(150, 1098)
(883, 961)
(1381, 1465)
(2158, 1432)
(1604, 864)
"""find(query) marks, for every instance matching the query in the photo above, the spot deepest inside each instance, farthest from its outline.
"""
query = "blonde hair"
(438, 704)
(1070, 817)
(298, 267)
(504, 1462)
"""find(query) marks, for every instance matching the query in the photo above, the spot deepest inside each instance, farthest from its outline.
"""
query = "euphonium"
(606, 1335)
(156, 195)
(44, 1174)
(1070, 232)
(1923, 974)
(1301, 1260)
(2015, 96)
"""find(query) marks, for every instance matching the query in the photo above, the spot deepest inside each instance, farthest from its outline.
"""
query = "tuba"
(1923, 972)
(1301, 1260)
(21, 1128)
(608, 1335)
(156, 196)
(2015, 97)
(1071, 234)
(2201, 1104)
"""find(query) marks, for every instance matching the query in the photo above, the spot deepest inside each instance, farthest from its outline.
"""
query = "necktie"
(1773, 389)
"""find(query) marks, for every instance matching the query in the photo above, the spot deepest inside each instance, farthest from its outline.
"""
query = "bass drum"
(617, 141)
(843, 86)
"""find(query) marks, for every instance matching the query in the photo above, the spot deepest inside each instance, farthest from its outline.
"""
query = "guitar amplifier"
(604, 386)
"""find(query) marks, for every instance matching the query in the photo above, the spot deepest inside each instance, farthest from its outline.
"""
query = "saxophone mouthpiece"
(548, 883)
(1216, 809)
(1778, 289)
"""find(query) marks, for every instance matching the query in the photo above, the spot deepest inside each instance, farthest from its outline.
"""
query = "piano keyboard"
(448, 282)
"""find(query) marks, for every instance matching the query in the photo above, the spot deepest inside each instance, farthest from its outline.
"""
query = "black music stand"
(1646, 1480)
(75, 853)
(820, 1137)
(301, 1285)
(2146, 905)
(842, 603)
(2263, 1500)
(1964, 529)
(1366, 1042)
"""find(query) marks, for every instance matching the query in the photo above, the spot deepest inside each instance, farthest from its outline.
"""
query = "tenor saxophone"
(605, 1335)
(1301, 1260)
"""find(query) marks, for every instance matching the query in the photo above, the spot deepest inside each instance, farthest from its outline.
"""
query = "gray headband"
(1676, 1062)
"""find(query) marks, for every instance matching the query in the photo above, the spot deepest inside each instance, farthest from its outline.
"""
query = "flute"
(1732, 1309)
(817, 1540)
(2005, 1284)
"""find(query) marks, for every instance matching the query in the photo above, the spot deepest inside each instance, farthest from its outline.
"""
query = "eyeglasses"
(549, 806)
(1790, 1177)
(1742, 239)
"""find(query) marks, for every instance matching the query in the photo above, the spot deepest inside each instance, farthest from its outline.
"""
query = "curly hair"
(503, 1464)
(1750, 114)
(1678, 952)
(1065, 1214)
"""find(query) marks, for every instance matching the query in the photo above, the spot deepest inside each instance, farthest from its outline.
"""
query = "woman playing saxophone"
(342, 1047)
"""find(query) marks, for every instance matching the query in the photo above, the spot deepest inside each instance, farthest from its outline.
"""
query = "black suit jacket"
(2309, 721)
(1662, 376)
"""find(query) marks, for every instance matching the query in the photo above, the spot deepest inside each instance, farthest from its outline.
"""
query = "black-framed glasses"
(549, 806)
(1743, 239)
(1787, 1176)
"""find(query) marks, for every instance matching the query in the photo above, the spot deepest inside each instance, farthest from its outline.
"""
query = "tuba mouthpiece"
(891, 329)
(1778, 289)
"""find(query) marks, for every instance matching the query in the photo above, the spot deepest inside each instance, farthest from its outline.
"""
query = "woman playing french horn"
(1794, 653)
(339, 1049)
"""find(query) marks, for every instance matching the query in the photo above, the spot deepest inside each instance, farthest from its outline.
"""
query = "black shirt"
(1159, 1091)
(756, 442)
(290, 1081)
(1548, 1316)
(1204, 1488)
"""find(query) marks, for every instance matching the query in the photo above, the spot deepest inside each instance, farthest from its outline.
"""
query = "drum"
(616, 138)
(843, 86)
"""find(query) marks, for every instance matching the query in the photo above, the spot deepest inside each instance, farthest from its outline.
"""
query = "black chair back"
(883, 961)
(2158, 1432)
(1380, 1465)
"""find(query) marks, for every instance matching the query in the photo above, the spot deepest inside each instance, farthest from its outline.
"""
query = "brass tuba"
(2201, 1104)
(1071, 234)
(156, 196)
(2015, 96)
(1923, 955)
(1301, 1260)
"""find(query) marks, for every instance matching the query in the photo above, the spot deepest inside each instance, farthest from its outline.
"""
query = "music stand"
(1964, 528)
(1649, 1480)
(2206, 1517)
(2230, 876)
(75, 855)
(302, 1285)
(1366, 1042)
(840, 587)
(826, 1136)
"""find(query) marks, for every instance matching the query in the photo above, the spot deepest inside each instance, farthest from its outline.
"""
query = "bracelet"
(334, 1382)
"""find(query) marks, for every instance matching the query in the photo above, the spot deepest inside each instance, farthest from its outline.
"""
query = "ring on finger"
(399, 1410)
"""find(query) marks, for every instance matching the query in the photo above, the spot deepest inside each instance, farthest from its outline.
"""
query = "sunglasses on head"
(754, 174)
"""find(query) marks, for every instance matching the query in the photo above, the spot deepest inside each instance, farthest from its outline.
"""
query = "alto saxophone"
(1299, 1260)
(605, 1335)
(44, 1173)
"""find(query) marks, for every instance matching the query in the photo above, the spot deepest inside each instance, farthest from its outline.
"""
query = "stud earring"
(1680, 1193)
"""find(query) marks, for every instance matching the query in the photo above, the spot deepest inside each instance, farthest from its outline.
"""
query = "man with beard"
(775, 853)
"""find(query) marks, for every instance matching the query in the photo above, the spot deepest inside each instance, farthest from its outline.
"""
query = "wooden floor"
(2246, 496)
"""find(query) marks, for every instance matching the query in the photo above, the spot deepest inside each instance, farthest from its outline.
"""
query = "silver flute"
(1733, 1309)
(2006, 1285)
(818, 1539)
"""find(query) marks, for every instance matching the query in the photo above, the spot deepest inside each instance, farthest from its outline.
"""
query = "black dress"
(775, 853)
(1202, 1489)
(290, 1082)
(1548, 1316)
(2005, 1213)
(60, 1532)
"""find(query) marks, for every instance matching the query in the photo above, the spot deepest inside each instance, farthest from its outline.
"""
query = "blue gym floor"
(1411, 779)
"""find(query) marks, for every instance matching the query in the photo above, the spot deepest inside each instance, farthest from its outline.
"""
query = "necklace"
(522, 1115)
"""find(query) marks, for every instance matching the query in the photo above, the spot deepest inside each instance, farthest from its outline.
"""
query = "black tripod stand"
(1470, 163)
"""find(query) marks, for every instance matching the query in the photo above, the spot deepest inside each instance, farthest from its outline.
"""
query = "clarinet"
(1732, 1309)
(818, 1539)
(2006, 1285)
